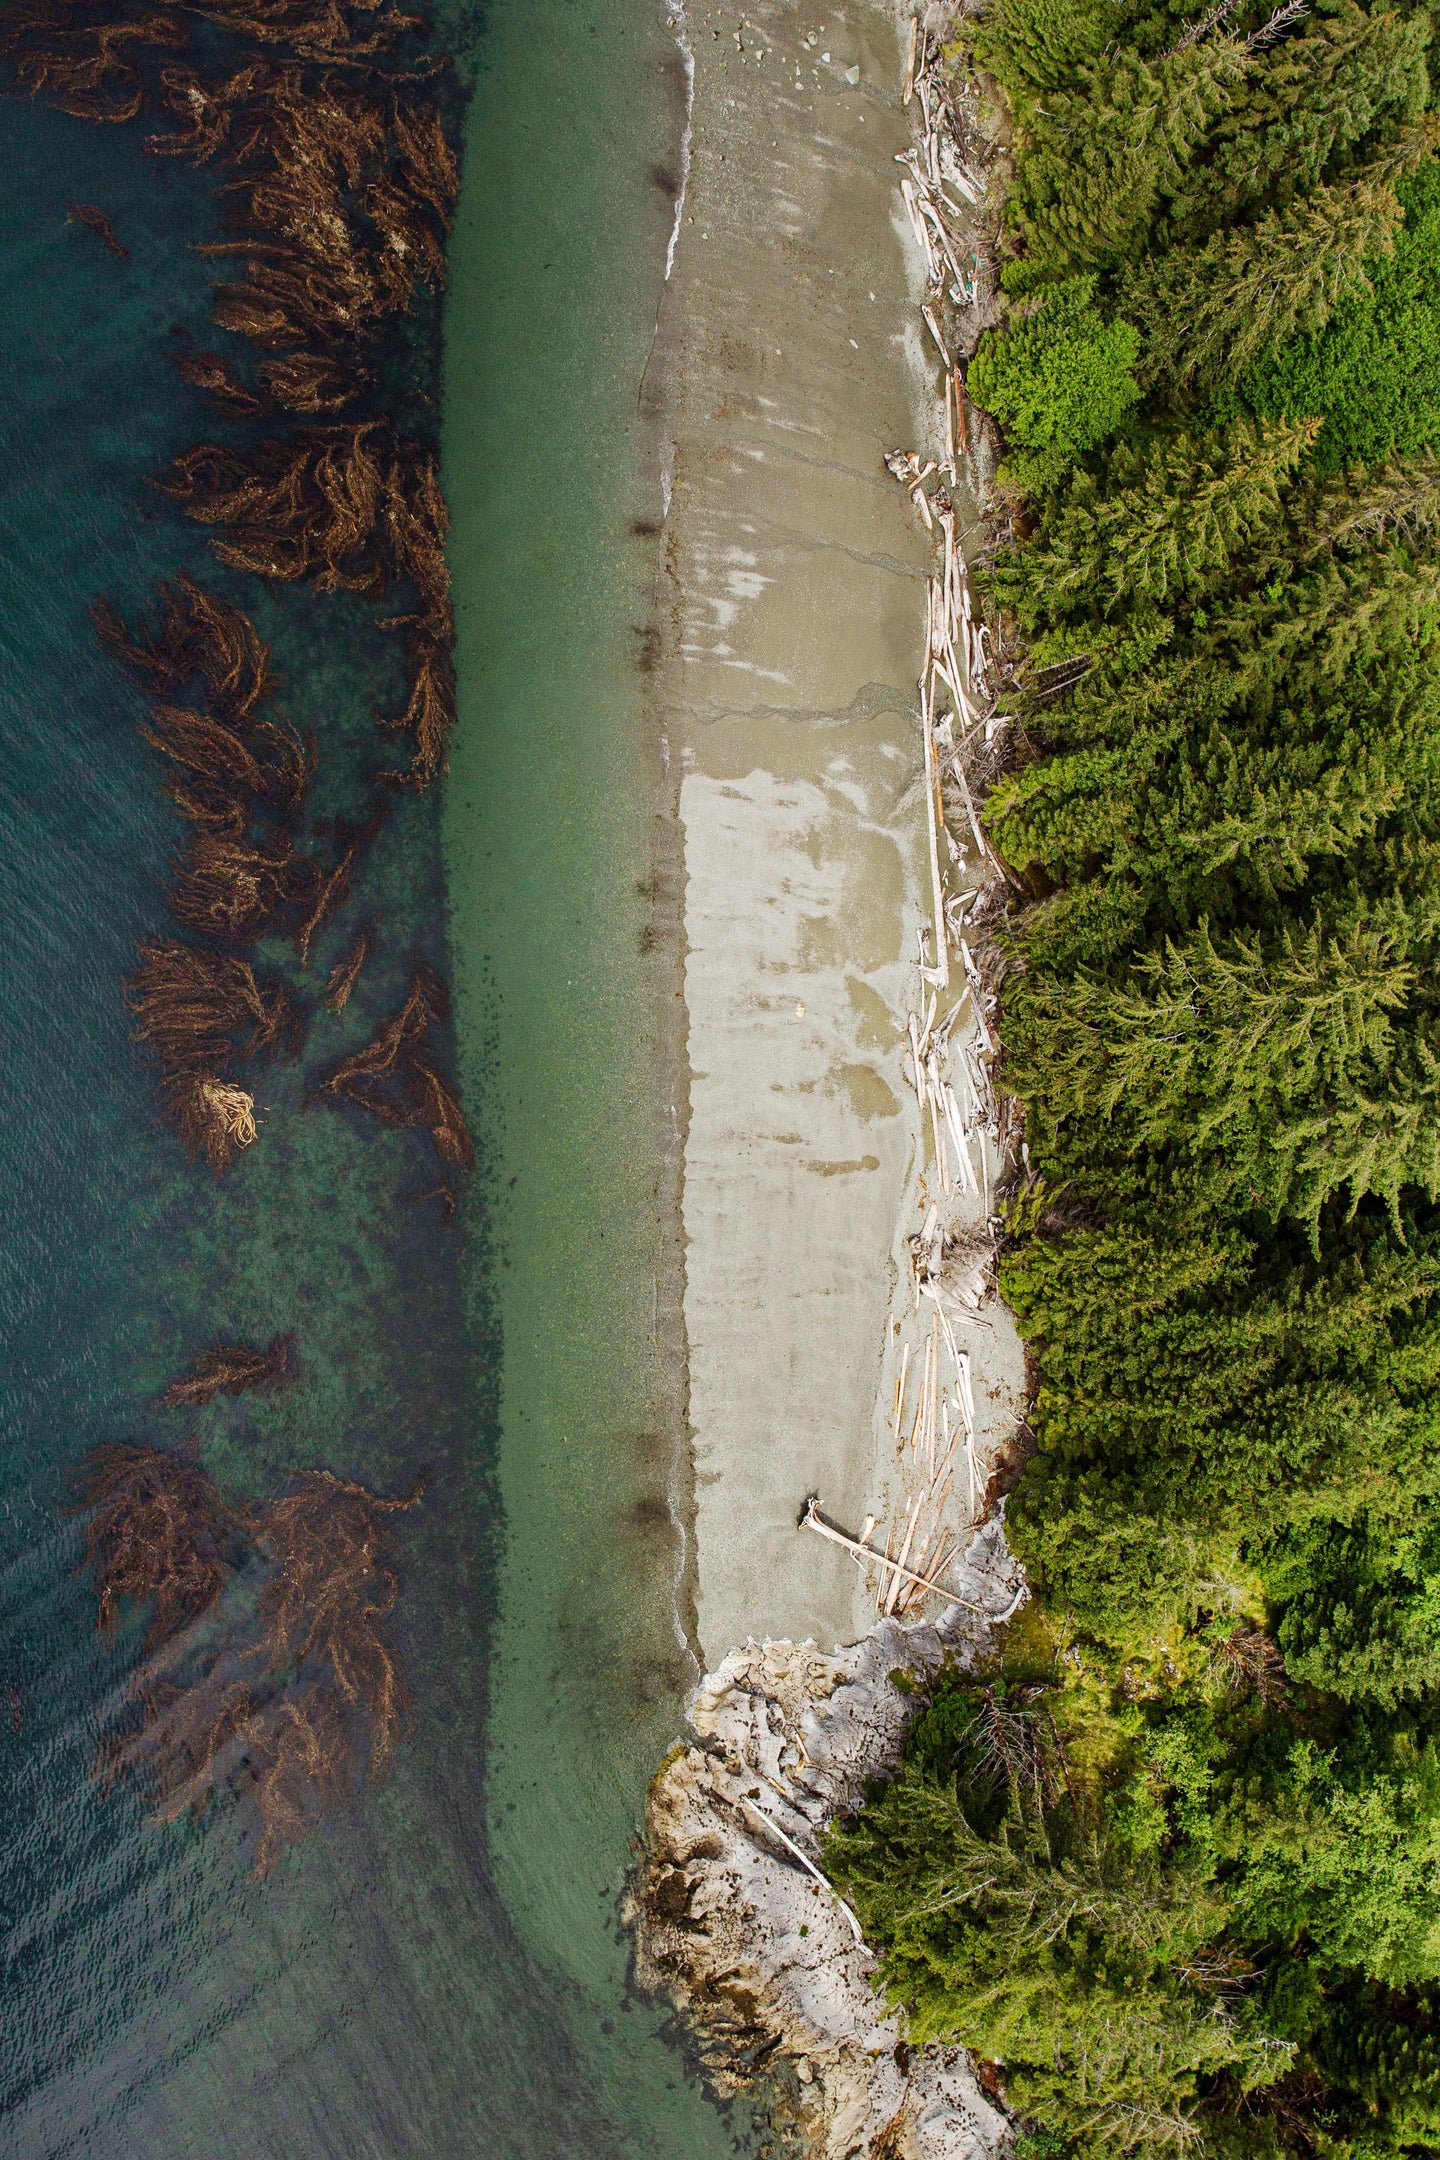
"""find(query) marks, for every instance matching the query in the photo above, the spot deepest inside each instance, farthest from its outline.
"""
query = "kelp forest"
(1170, 1862)
(264, 1667)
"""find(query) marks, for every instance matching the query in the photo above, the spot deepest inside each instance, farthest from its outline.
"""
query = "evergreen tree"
(1250, 289)
(1304, 107)
(1104, 151)
(1168, 536)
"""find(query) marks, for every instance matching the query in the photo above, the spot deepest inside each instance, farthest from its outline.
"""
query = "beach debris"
(936, 1497)
(810, 1520)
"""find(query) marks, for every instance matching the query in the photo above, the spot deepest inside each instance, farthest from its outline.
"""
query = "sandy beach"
(791, 617)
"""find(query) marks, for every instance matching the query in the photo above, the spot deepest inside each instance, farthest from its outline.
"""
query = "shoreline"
(834, 883)
(789, 626)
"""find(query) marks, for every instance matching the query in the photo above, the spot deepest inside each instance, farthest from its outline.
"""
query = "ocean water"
(439, 1971)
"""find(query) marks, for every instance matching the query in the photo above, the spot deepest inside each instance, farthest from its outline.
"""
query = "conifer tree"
(1303, 106)
(1250, 289)
(1104, 151)
(1168, 536)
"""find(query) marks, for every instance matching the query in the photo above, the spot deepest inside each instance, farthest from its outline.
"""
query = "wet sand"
(791, 620)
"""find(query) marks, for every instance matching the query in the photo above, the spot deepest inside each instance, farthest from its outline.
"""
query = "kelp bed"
(325, 122)
(266, 1662)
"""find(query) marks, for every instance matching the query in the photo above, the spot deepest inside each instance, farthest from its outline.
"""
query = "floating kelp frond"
(207, 110)
(442, 1113)
(82, 61)
(305, 507)
(334, 1586)
(430, 710)
(195, 1007)
(392, 1076)
(332, 30)
(95, 221)
(204, 747)
(328, 891)
(417, 524)
(309, 383)
(213, 1117)
(313, 382)
(340, 206)
(207, 371)
(427, 1000)
(157, 1528)
(197, 634)
(346, 972)
(199, 1011)
(235, 1369)
(231, 889)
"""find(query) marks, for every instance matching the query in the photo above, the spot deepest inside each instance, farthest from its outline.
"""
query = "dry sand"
(791, 624)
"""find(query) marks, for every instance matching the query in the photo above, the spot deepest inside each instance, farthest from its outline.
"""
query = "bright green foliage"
(1059, 380)
(1374, 371)
(1035, 46)
(1172, 1859)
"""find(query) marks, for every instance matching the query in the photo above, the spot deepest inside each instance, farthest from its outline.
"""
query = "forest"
(1168, 1861)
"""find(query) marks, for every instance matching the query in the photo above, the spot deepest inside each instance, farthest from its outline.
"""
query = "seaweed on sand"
(234, 1369)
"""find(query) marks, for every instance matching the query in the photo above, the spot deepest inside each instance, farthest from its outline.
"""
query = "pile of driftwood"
(940, 1472)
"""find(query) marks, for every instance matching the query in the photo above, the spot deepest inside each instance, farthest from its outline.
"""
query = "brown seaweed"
(197, 634)
(199, 1012)
(394, 1080)
(214, 375)
(282, 1700)
(307, 506)
(90, 69)
(346, 972)
(328, 30)
(157, 1529)
(95, 221)
(330, 889)
(333, 1586)
(234, 1369)
(231, 889)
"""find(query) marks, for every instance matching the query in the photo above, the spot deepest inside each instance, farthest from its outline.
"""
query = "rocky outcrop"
(763, 1959)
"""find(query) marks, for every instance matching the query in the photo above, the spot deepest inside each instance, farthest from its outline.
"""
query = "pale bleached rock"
(758, 1957)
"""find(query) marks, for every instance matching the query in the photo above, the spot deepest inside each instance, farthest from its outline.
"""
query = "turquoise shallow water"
(390, 1991)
